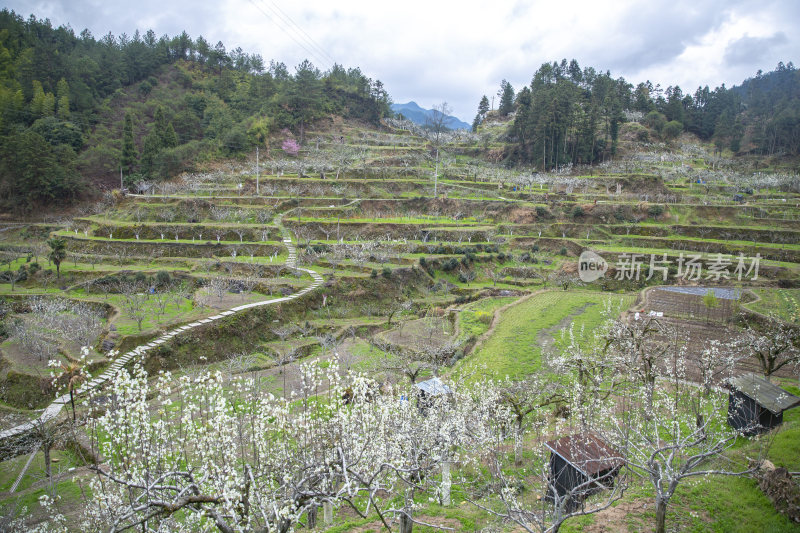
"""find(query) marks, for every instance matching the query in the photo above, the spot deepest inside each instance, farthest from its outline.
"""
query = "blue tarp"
(725, 294)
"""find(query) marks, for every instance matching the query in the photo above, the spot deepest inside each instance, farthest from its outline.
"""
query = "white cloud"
(435, 51)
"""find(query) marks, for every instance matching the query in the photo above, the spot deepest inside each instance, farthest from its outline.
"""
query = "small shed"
(577, 459)
(430, 389)
(755, 405)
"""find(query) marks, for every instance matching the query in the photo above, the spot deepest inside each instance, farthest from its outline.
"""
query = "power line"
(297, 41)
(308, 37)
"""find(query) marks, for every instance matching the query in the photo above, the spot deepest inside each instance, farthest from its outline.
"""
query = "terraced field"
(330, 262)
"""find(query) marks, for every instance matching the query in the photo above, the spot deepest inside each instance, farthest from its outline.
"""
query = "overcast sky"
(434, 51)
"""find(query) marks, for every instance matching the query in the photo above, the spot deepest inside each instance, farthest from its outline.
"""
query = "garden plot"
(694, 302)
(422, 335)
(513, 349)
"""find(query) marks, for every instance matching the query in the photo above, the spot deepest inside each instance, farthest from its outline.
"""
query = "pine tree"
(152, 146)
(62, 95)
(483, 106)
(160, 127)
(169, 138)
(63, 108)
(506, 98)
(37, 102)
(128, 147)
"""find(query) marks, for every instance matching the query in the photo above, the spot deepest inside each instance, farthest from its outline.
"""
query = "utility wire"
(300, 29)
(280, 26)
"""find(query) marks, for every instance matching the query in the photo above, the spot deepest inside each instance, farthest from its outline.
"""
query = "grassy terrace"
(489, 267)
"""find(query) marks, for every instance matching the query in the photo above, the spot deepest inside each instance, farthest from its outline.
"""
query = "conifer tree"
(483, 106)
(37, 102)
(506, 98)
(62, 95)
(129, 154)
(49, 105)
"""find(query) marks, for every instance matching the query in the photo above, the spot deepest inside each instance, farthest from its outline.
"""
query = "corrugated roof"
(433, 387)
(766, 394)
(587, 452)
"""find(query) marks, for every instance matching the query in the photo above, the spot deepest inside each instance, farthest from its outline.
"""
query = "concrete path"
(52, 410)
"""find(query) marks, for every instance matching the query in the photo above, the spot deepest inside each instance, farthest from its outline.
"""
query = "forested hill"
(573, 115)
(74, 108)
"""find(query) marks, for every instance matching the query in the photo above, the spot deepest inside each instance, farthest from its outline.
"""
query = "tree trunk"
(327, 513)
(406, 524)
(518, 446)
(47, 466)
(446, 483)
(661, 515)
(312, 518)
(72, 401)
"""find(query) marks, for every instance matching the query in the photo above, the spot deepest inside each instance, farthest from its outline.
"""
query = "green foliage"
(34, 172)
(129, 155)
(655, 120)
(235, 141)
(58, 132)
(568, 116)
(515, 347)
(58, 252)
(655, 210)
(506, 94)
(710, 300)
(672, 129)
(163, 278)
(52, 74)
(483, 106)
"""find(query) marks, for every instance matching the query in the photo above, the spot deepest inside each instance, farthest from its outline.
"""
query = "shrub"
(655, 211)
(541, 211)
(373, 274)
(672, 129)
(450, 264)
(563, 250)
(577, 212)
(535, 248)
(163, 278)
(655, 120)
(386, 272)
(423, 262)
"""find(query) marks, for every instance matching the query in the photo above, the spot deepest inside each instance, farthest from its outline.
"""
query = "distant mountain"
(418, 115)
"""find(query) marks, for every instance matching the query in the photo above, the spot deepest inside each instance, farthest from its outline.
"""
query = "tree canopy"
(71, 95)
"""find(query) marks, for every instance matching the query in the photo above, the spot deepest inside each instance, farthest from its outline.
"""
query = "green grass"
(514, 348)
(785, 303)
(10, 469)
(475, 318)
(181, 311)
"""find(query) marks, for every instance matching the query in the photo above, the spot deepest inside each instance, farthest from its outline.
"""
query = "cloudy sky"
(434, 51)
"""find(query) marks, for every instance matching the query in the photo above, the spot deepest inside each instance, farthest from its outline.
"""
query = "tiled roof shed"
(756, 405)
(587, 453)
